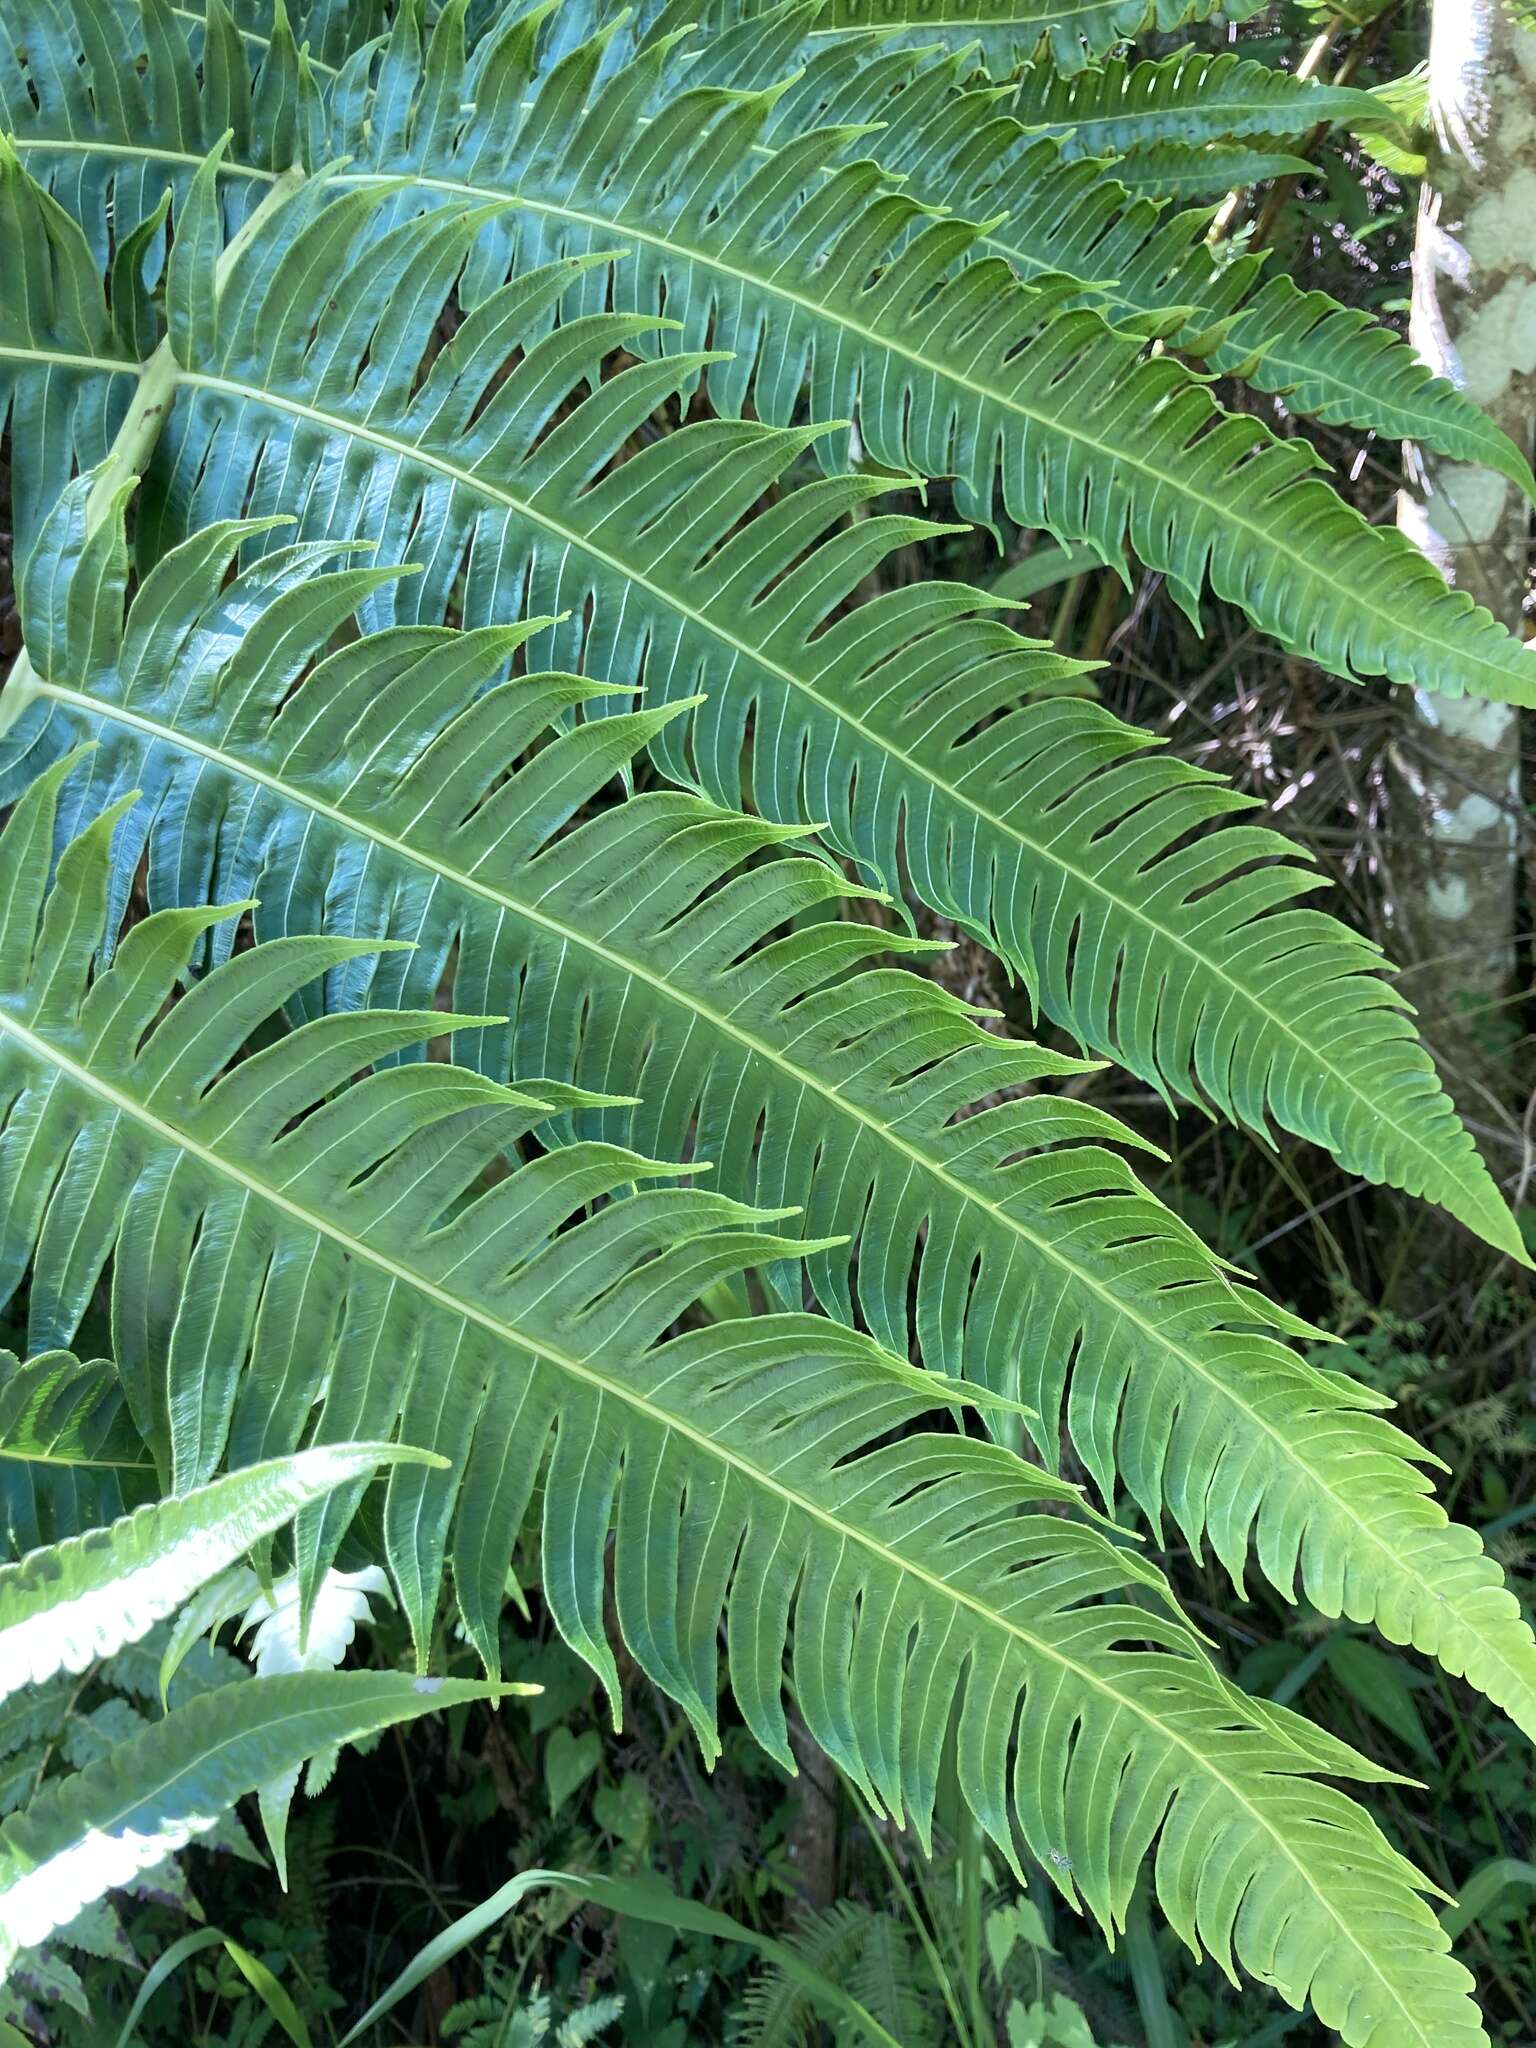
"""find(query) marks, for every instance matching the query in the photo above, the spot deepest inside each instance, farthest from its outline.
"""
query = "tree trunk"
(1455, 851)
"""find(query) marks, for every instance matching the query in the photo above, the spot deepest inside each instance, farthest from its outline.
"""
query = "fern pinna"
(438, 547)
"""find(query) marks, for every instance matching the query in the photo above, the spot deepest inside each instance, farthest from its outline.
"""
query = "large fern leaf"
(1149, 269)
(366, 800)
(350, 1247)
(950, 365)
(112, 154)
(897, 726)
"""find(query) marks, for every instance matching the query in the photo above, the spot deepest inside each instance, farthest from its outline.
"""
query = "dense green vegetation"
(703, 1270)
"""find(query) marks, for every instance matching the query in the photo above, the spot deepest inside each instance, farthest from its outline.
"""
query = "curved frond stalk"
(1193, 97)
(380, 1267)
(370, 799)
(65, 1606)
(69, 1456)
(814, 273)
(84, 1835)
(899, 725)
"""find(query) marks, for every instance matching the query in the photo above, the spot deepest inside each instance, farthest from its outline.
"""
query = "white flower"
(340, 1604)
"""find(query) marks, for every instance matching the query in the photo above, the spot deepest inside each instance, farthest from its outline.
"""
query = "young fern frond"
(869, 1952)
(173, 1781)
(401, 790)
(273, 1242)
(74, 1602)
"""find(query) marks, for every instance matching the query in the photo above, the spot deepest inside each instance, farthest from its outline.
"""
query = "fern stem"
(920, 1926)
(134, 442)
(283, 188)
(124, 463)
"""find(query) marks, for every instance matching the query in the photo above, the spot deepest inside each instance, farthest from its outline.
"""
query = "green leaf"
(85, 1835)
(715, 1028)
(1378, 1684)
(645, 1900)
(1488, 1883)
(1041, 570)
(1192, 96)
(70, 1458)
(270, 1992)
(515, 1321)
(569, 1760)
(1182, 170)
(64, 1607)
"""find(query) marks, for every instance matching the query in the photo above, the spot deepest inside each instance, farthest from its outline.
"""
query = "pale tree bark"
(1455, 842)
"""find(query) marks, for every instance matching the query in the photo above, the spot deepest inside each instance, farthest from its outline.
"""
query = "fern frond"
(950, 366)
(70, 1458)
(813, 272)
(65, 1606)
(122, 1816)
(112, 103)
(1188, 170)
(776, 2010)
(1193, 96)
(384, 795)
(1150, 271)
(355, 1248)
(898, 725)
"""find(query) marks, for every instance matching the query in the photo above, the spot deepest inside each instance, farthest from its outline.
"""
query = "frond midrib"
(123, 1104)
(64, 359)
(805, 1079)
